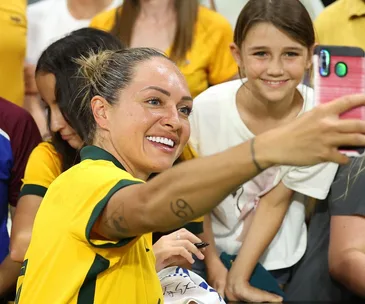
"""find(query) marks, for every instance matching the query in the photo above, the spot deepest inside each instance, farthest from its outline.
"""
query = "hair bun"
(93, 66)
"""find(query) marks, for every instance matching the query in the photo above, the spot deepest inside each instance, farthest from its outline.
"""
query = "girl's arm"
(216, 271)
(266, 223)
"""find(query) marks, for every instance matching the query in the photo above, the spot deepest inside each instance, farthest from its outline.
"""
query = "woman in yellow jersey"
(91, 238)
(50, 159)
(13, 25)
(193, 36)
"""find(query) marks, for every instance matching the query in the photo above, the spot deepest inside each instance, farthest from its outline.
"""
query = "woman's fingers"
(182, 252)
(350, 126)
(343, 104)
(190, 247)
(337, 157)
(344, 139)
(183, 234)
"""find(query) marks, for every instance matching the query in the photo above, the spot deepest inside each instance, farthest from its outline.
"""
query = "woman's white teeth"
(162, 140)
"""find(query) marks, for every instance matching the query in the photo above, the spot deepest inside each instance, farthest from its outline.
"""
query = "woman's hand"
(176, 248)
(314, 137)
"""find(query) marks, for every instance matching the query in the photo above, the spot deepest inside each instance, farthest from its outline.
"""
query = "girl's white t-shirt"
(216, 125)
(48, 21)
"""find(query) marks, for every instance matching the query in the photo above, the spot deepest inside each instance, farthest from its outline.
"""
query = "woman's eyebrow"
(163, 91)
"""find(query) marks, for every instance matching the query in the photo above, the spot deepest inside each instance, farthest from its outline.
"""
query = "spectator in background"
(49, 20)
(194, 37)
(18, 136)
(13, 27)
(332, 268)
(230, 9)
(342, 23)
(49, 159)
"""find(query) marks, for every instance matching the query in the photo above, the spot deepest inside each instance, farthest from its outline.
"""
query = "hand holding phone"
(340, 71)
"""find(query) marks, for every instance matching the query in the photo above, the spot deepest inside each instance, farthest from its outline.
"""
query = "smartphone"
(340, 71)
(201, 245)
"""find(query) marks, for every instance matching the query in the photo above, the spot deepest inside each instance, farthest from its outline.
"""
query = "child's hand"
(238, 289)
(217, 276)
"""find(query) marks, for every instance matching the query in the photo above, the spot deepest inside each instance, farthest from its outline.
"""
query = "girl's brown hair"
(186, 12)
(290, 16)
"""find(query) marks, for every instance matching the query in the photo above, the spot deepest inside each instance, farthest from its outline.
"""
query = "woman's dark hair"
(59, 59)
(103, 74)
(290, 16)
(186, 13)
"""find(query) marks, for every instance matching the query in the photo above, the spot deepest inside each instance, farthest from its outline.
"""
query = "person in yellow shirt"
(13, 27)
(342, 23)
(193, 36)
(91, 238)
(49, 159)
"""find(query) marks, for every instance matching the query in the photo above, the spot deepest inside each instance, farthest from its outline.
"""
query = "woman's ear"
(99, 107)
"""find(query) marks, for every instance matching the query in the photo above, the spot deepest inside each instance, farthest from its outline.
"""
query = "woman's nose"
(171, 119)
(57, 121)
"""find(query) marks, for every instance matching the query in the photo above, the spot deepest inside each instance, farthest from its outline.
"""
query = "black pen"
(201, 245)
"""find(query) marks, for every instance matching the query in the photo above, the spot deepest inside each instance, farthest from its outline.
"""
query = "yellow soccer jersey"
(209, 60)
(65, 263)
(43, 166)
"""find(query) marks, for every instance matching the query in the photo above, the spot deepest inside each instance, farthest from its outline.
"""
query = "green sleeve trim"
(99, 209)
(30, 189)
(194, 227)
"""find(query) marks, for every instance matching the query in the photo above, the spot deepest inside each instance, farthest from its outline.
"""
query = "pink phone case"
(340, 71)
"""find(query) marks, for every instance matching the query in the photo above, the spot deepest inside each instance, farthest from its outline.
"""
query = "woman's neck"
(156, 10)
(108, 146)
(86, 9)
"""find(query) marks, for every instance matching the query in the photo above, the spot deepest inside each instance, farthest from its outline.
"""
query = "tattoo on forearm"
(117, 221)
(182, 209)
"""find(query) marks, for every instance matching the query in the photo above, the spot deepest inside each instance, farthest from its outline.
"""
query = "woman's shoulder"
(43, 167)
(346, 196)
(45, 148)
(105, 20)
(212, 20)
(45, 155)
